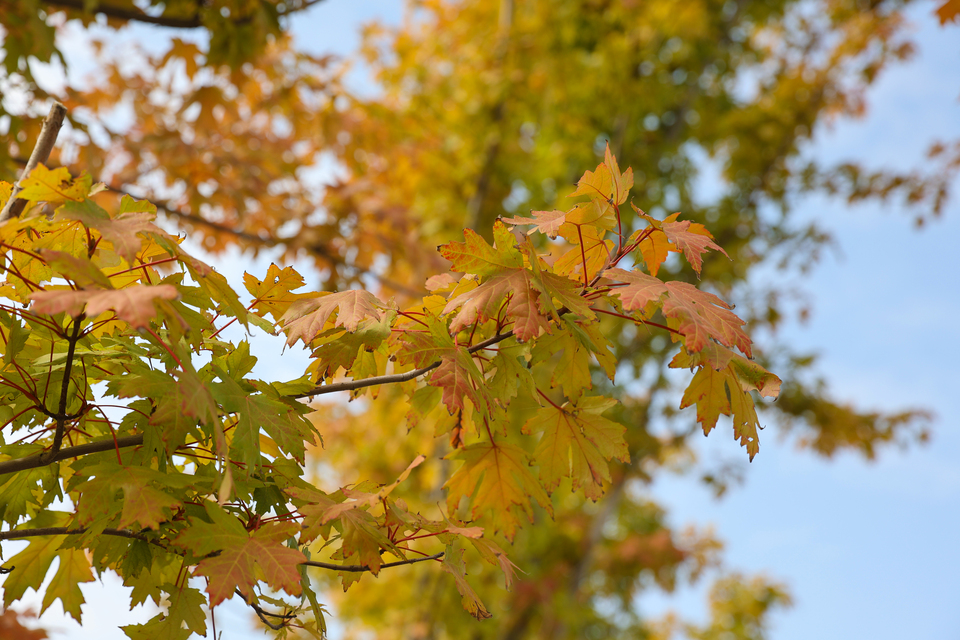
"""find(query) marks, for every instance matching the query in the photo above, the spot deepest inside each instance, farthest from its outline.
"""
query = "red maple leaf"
(699, 315)
(692, 239)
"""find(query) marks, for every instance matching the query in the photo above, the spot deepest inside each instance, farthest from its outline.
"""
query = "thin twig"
(61, 415)
(359, 567)
(396, 377)
(48, 137)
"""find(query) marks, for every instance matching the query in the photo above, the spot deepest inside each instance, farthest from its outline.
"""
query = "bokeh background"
(868, 549)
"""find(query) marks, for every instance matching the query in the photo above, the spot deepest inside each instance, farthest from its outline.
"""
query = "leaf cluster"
(122, 394)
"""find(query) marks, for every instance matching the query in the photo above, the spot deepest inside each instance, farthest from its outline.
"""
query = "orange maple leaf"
(305, 319)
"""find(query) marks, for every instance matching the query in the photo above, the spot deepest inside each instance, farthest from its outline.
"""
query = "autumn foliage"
(120, 385)
(526, 341)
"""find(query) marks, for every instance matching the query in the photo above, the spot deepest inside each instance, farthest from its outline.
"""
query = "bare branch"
(359, 567)
(48, 137)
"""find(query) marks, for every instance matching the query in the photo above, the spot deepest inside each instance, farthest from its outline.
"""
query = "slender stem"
(396, 377)
(359, 567)
(48, 137)
(61, 415)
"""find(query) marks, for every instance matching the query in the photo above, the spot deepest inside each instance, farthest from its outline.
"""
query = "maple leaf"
(240, 554)
(718, 392)
(722, 386)
(692, 239)
(484, 303)
(621, 182)
(699, 315)
(592, 252)
(74, 568)
(54, 185)
(135, 217)
(134, 304)
(572, 370)
(460, 378)
(338, 348)
(143, 504)
(546, 222)
(454, 565)
(577, 442)
(475, 256)
(305, 319)
(654, 247)
(29, 567)
(948, 11)
(702, 315)
(185, 608)
(362, 538)
(496, 476)
(257, 411)
(423, 349)
(493, 554)
(273, 293)
(80, 270)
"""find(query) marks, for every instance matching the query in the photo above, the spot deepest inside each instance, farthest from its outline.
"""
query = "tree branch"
(193, 22)
(48, 137)
(396, 377)
(18, 534)
(359, 567)
(49, 457)
(61, 415)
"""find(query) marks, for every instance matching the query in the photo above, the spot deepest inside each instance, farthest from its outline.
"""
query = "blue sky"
(867, 549)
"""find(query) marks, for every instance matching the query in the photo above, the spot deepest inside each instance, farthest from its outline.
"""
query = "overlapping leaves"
(501, 357)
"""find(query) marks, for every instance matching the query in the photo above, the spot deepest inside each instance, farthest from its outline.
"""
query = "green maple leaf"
(214, 285)
(511, 371)
(18, 493)
(497, 479)
(184, 617)
(30, 567)
(74, 568)
(240, 555)
(577, 442)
